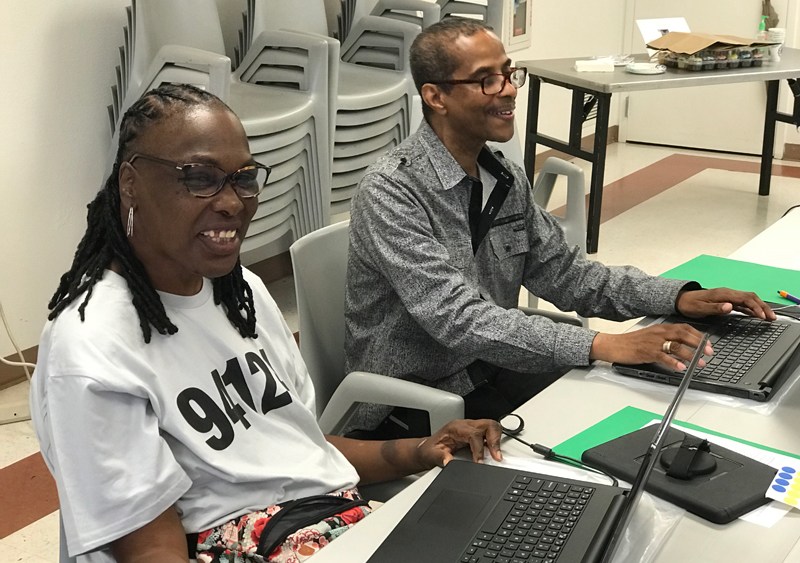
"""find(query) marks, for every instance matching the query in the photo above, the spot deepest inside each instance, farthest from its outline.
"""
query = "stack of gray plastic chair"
(419, 12)
(144, 63)
(370, 107)
(477, 9)
(279, 91)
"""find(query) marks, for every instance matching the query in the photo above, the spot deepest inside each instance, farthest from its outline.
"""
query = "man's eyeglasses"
(492, 84)
(205, 180)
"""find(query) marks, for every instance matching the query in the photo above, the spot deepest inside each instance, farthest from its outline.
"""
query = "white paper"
(652, 29)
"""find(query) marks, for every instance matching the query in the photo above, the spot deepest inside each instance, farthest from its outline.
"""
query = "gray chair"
(574, 219)
(419, 12)
(319, 260)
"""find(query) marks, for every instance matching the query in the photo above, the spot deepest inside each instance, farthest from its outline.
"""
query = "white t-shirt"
(216, 424)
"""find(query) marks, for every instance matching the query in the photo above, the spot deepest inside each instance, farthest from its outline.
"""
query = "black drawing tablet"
(735, 486)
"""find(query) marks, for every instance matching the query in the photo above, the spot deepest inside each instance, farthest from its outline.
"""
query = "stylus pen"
(789, 296)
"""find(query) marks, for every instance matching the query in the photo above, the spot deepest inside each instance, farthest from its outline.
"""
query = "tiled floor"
(700, 203)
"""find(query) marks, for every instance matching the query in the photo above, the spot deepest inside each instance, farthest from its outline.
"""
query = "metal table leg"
(770, 115)
(598, 172)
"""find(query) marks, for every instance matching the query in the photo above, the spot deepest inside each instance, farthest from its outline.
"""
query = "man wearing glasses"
(444, 232)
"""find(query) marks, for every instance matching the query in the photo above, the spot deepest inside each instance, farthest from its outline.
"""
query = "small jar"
(745, 57)
(733, 58)
(709, 61)
(722, 58)
(682, 60)
(758, 56)
(694, 62)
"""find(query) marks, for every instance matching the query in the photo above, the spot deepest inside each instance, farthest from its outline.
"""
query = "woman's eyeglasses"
(205, 180)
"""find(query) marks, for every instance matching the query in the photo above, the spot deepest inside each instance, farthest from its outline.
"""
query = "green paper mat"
(713, 271)
(628, 420)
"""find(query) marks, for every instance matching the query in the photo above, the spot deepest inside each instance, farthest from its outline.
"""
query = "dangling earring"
(129, 228)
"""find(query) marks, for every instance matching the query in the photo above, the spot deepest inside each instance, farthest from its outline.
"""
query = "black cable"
(785, 213)
(549, 454)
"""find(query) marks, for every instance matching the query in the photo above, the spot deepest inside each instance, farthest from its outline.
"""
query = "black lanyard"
(481, 221)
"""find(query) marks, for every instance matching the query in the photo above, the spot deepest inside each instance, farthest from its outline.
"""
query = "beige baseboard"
(14, 412)
(11, 375)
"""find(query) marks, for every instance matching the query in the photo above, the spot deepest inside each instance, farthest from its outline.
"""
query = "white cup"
(777, 32)
(775, 53)
(776, 35)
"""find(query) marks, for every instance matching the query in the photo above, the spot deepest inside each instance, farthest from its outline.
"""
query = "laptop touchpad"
(453, 509)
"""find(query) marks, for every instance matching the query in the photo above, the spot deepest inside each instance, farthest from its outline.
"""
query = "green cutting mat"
(713, 271)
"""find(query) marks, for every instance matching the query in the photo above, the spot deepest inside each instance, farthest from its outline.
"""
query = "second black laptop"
(752, 358)
(476, 513)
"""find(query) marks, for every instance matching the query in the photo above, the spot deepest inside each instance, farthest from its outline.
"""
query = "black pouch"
(297, 514)
(257, 536)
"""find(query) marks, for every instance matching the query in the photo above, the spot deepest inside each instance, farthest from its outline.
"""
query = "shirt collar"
(448, 170)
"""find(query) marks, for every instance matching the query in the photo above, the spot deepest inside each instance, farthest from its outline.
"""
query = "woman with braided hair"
(170, 400)
(104, 244)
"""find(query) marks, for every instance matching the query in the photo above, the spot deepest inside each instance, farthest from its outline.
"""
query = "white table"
(579, 400)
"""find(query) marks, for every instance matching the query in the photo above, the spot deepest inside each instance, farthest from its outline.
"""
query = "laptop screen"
(649, 460)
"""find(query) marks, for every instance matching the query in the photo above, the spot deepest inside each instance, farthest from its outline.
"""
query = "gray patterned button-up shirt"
(419, 305)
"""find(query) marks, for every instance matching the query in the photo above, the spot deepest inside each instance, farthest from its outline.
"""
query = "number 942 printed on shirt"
(205, 414)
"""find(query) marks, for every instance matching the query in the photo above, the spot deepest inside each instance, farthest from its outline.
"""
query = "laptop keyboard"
(738, 344)
(533, 524)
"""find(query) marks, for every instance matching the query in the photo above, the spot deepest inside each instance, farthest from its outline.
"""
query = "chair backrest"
(574, 219)
(189, 23)
(294, 15)
(464, 8)
(418, 12)
(363, 8)
(319, 260)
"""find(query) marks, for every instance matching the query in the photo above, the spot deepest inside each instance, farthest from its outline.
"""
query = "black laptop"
(752, 358)
(476, 513)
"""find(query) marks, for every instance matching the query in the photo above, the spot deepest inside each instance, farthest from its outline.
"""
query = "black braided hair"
(105, 241)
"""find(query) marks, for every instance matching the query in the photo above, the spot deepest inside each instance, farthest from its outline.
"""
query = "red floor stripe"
(628, 192)
(29, 493)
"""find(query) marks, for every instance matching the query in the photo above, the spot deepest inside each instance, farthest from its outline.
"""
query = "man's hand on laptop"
(721, 301)
(671, 345)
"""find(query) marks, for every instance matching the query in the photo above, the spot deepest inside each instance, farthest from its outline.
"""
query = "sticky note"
(785, 487)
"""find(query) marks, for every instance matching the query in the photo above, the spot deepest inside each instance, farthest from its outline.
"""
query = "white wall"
(596, 30)
(57, 60)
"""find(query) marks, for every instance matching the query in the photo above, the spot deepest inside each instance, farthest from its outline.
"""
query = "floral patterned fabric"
(237, 541)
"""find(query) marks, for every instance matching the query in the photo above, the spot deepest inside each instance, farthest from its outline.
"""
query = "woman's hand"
(377, 460)
(438, 450)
